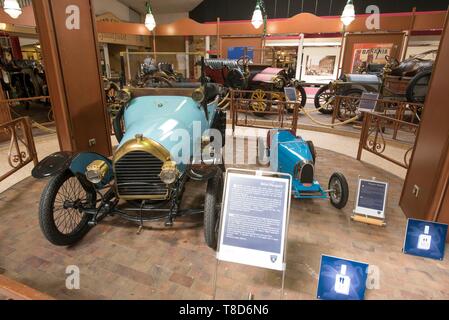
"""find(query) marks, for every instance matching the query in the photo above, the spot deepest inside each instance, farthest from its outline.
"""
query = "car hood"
(164, 119)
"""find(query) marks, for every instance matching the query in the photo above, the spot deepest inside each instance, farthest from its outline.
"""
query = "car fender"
(75, 162)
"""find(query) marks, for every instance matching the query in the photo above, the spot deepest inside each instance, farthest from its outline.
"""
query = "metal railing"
(22, 149)
(380, 131)
(248, 109)
(347, 107)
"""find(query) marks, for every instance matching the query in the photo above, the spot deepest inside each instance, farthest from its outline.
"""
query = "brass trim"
(152, 147)
(143, 144)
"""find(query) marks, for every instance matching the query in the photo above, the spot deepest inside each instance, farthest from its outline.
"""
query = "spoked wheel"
(61, 215)
(258, 105)
(339, 190)
(350, 108)
(212, 209)
(323, 100)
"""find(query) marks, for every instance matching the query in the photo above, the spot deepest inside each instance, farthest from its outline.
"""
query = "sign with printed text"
(342, 279)
(368, 101)
(236, 53)
(291, 94)
(371, 198)
(425, 239)
(254, 220)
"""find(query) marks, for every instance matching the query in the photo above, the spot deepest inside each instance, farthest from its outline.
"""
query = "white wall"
(118, 9)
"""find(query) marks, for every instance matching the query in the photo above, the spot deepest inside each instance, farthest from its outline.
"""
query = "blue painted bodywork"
(163, 118)
(290, 151)
(82, 160)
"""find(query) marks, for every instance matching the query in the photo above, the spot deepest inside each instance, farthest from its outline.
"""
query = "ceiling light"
(348, 14)
(257, 19)
(150, 23)
(12, 8)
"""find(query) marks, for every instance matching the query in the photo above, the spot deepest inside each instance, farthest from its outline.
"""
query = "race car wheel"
(60, 210)
(339, 190)
(322, 98)
(212, 209)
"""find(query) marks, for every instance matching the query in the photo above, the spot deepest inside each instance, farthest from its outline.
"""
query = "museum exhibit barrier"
(347, 107)
(244, 102)
(380, 131)
(22, 149)
(40, 126)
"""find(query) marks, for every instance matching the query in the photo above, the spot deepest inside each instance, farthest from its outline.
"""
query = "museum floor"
(175, 263)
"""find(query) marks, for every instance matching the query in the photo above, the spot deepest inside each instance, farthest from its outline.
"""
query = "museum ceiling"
(227, 10)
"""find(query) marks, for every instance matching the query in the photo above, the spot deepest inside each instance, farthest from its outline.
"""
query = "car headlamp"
(96, 171)
(278, 83)
(169, 173)
(198, 95)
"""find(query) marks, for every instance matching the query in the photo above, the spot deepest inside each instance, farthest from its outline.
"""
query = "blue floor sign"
(425, 239)
(342, 279)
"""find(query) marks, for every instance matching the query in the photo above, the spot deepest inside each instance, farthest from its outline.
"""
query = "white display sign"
(254, 220)
(371, 198)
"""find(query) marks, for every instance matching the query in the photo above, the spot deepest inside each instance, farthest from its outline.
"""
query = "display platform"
(175, 263)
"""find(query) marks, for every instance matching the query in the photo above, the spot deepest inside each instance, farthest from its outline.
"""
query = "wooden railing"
(248, 109)
(22, 149)
(380, 131)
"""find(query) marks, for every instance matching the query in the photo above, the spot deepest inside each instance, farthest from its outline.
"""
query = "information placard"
(254, 220)
(368, 101)
(371, 198)
(425, 239)
(291, 94)
(342, 279)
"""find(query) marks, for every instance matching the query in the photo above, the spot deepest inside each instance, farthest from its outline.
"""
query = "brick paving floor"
(160, 263)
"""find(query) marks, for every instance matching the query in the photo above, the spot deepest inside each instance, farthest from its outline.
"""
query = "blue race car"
(287, 153)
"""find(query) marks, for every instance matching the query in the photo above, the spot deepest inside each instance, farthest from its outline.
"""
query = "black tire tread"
(345, 190)
(46, 218)
(317, 100)
(214, 187)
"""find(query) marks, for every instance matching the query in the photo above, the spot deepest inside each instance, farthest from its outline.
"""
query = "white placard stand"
(369, 215)
(256, 175)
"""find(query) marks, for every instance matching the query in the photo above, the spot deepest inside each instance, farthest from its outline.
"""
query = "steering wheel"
(392, 60)
(243, 61)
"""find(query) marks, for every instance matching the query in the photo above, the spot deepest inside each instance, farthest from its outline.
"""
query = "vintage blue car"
(145, 178)
(287, 153)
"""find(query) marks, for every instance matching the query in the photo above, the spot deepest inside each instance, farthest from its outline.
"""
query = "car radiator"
(137, 177)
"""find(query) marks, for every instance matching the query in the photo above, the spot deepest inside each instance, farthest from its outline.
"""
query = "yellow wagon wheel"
(258, 104)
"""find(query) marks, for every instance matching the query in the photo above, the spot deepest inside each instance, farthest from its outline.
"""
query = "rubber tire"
(214, 194)
(312, 150)
(303, 98)
(344, 193)
(317, 100)
(46, 218)
(409, 92)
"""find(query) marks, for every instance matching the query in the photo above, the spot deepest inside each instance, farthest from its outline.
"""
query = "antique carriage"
(241, 74)
(406, 81)
(146, 177)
